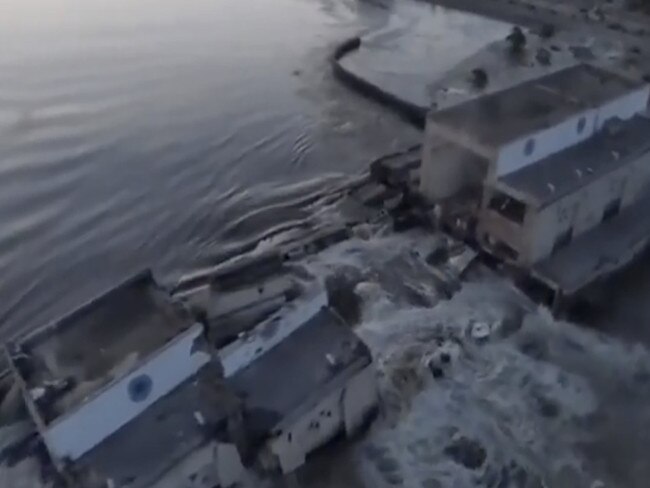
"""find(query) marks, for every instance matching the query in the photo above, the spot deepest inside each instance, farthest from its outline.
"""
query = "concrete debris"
(393, 170)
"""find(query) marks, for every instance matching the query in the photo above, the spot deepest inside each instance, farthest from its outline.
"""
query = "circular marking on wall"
(140, 387)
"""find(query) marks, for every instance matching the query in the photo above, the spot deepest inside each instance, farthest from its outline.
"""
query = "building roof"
(103, 339)
(306, 363)
(599, 251)
(552, 178)
(531, 106)
(168, 431)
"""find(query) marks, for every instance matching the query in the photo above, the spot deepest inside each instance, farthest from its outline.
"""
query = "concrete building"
(130, 391)
(555, 168)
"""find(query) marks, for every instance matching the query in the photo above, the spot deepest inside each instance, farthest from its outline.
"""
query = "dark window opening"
(612, 209)
(563, 240)
(511, 209)
(503, 250)
(529, 147)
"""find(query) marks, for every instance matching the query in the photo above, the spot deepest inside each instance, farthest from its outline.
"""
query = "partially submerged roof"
(104, 338)
(509, 114)
(554, 177)
(169, 431)
(319, 355)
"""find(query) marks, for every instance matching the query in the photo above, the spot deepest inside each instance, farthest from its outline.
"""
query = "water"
(529, 402)
(158, 133)
(134, 134)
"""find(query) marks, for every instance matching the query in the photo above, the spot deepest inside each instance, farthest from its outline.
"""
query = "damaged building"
(130, 391)
(552, 173)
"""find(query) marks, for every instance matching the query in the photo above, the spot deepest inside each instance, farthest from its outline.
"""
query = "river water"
(158, 133)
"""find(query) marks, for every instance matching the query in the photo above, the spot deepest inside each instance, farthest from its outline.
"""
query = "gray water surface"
(159, 133)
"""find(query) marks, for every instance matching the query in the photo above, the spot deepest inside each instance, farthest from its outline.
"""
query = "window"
(530, 147)
(582, 122)
(508, 207)
(612, 209)
(563, 240)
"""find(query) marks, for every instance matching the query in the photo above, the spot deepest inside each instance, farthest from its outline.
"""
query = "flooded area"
(485, 389)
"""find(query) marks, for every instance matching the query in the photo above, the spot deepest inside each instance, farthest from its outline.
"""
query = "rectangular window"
(612, 209)
(563, 240)
(508, 207)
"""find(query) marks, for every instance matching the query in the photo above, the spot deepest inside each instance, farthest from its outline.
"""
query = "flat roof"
(556, 176)
(596, 253)
(298, 368)
(100, 340)
(167, 432)
(509, 114)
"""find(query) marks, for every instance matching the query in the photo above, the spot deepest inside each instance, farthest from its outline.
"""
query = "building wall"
(624, 107)
(572, 131)
(344, 409)
(440, 177)
(241, 353)
(90, 423)
(584, 209)
(514, 156)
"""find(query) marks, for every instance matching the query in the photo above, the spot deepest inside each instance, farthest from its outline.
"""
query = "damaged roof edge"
(142, 277)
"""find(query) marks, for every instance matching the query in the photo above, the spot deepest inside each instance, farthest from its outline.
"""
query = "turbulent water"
(485, 389)
(151, 133)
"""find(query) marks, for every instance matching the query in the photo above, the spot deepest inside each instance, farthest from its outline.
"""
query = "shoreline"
(412, 113)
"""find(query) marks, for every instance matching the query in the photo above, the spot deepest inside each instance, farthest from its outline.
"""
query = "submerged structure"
(550, 175)
(130, 391)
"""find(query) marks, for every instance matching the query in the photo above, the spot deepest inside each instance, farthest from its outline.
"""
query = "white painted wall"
(584, 209)
(345, 408)
(111, 408)
(512, 156)
(242, 352)
(360, 396)
(624, 107)
(297, 441)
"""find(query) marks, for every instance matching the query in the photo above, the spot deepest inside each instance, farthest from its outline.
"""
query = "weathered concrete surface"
(428, 61)
(421, 42)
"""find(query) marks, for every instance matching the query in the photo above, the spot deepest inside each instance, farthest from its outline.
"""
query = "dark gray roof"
(598, 252)
(278, 383)
(164, 434)
(552, 178)
(125, 324)
(533, 105)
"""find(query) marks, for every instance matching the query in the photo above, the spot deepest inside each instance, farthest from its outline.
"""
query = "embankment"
(409, 111)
